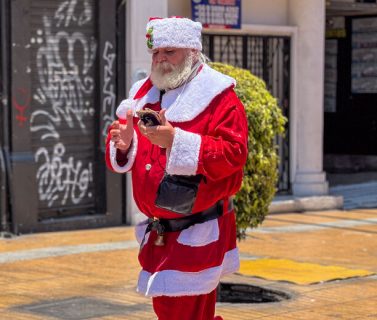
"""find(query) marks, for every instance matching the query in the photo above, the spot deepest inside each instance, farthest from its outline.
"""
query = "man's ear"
(195, 54)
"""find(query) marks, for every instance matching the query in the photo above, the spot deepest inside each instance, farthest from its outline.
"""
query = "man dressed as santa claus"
(183, 134)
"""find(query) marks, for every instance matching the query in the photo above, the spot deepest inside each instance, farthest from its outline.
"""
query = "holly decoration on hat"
(149, 37)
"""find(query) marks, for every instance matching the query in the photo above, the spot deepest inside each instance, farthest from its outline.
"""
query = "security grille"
(267, 57)
(63, 48)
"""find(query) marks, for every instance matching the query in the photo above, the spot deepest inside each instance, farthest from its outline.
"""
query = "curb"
(315, 203)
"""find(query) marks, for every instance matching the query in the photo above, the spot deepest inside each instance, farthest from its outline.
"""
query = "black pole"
(5, 97)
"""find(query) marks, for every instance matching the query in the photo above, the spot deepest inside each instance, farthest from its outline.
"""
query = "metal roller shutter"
(63, 121)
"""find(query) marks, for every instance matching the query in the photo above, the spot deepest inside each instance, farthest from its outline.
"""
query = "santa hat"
(173, 32)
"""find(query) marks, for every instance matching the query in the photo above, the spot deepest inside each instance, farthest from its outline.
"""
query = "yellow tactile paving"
(346, 247)
(297, 272)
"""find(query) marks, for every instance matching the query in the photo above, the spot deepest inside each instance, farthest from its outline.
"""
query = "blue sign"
(217, 13)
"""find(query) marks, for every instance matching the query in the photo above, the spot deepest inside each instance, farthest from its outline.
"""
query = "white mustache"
(164, 66)
(168, 76)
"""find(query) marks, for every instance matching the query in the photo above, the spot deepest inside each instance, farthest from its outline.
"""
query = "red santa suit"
(211, 140)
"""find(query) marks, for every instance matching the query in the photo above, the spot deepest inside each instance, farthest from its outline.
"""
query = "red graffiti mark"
(21, 101)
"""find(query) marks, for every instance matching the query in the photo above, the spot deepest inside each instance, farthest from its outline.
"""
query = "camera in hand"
(149, 117)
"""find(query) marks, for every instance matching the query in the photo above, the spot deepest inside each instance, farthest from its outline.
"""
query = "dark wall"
(352, 129)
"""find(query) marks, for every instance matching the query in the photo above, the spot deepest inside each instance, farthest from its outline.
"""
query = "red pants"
(186, 308)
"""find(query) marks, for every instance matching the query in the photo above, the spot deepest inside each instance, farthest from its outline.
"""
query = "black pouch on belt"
(178, 193)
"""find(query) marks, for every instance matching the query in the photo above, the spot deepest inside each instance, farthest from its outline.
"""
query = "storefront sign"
(336, 27)
(217, 13)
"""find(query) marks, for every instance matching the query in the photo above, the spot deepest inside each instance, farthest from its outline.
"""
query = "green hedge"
(261, 170)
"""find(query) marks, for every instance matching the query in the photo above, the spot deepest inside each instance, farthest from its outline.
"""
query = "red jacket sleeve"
(223, 150)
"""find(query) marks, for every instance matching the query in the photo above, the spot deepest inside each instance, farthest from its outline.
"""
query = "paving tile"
(322, 247)
(312, 217)
(6, 315)
(241, 312)
(110, 275)
(318, 314)
(65, 238)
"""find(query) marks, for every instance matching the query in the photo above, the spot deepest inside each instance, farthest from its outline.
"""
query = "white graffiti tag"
(64, 72)
(64, 82)
(56, 177)
(66, 13)
(108, 103)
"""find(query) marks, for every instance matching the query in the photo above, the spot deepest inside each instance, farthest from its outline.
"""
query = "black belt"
(179, 224)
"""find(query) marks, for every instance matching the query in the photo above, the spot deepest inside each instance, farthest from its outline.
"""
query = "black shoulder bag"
(178, 193)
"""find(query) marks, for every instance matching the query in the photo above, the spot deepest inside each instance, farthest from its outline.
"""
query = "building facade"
(303, 23)
(65, 65)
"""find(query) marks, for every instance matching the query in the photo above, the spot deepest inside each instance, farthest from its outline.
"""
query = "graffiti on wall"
(65, 15)
(108, 103)
(21, 102)
(65, 61)
(58, 178)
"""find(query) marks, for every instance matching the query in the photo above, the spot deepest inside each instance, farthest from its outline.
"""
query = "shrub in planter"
(265, 121)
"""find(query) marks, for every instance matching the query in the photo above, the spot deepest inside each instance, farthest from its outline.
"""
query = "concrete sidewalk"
(92, 274)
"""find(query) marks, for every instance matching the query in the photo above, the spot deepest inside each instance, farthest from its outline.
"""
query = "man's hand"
(122, 134)
(162, 135)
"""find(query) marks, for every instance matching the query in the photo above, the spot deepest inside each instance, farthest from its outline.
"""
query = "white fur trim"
(124, 106)
(231, 262)
(130, 156)
(188, 101)
(184, 154)
(200, 234)
(175, 283)
(175, 33)
(135, 87)
(153, 96)
(140, 232)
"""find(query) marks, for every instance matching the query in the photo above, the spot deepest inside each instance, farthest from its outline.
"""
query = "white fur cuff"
(124, 106)
(184, 154)
(130, 156)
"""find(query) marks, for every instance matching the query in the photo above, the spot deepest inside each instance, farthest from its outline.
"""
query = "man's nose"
(160, 57)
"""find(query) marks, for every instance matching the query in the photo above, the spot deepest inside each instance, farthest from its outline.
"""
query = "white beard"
(175, 76)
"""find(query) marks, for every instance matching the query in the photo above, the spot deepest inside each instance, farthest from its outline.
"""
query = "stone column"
(138, 14)
(309, 17)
